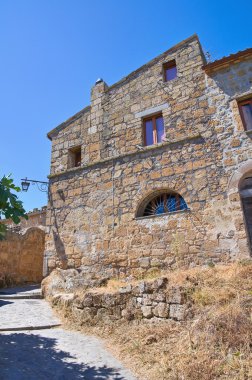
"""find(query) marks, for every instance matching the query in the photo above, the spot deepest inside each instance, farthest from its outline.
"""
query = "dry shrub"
(198, 366)
(112, 286)
(209, 296)
(232, 327)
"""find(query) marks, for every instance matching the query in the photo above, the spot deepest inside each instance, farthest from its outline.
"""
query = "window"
(163, 203)
(170, 70)
(245, 108)
(154, 130)
(74, 157)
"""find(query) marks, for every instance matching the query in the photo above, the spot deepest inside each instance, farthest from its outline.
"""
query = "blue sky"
(52, 51)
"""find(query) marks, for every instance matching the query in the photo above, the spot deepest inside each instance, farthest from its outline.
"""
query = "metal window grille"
(165, 203)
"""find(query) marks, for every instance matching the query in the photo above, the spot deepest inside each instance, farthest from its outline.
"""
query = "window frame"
(152, 118)
(73, 154)
(169, 65)
(164, 195)
(240, 104)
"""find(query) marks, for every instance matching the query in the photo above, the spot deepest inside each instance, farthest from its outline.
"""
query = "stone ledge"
(164, 214)
(148, 299)
(141, 152)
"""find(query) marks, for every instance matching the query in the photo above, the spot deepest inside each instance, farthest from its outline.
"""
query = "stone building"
(155, 172)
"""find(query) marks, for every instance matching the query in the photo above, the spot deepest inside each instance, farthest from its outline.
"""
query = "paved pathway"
(49, 353)
(19, 292)
(26, 314)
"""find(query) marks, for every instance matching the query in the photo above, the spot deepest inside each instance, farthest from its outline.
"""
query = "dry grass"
(215, 344)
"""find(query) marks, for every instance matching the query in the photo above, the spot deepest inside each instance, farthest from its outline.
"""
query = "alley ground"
(33, 345)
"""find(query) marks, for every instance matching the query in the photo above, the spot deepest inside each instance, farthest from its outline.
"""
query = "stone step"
(21, 292)
(37, 327)
(21, 296)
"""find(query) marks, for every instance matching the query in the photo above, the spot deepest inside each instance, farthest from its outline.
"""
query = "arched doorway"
(245, 189)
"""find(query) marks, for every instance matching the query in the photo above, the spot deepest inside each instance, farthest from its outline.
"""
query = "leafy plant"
(10, 206)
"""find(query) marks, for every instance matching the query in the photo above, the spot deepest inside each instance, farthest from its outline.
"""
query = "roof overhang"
(227, 61)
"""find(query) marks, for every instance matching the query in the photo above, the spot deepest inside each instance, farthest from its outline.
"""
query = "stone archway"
(240, 188)
(245, 190)
(237, 176)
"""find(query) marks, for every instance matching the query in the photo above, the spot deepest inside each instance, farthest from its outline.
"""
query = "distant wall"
(36, 218)
(22, 251)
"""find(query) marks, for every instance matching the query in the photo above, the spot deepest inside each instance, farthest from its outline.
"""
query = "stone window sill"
(161, 215)
(249, 133)
(144, 148)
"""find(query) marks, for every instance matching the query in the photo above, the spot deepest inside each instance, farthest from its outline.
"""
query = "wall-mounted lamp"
(41, 185)
(25, 185)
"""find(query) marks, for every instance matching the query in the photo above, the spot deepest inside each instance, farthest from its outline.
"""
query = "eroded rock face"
(69, 280)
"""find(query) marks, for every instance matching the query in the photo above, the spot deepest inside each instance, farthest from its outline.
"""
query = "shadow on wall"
(60, 250)
(228, 83)
(58, 243)
(31, 357)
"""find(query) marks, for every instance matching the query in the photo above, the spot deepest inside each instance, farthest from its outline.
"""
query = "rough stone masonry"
(22, 251)
(92, 302)
(105, 174)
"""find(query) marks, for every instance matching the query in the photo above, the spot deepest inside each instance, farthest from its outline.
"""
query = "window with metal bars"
(164, 203)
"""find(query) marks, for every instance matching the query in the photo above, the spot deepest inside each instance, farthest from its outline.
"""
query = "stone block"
(127, 314)
(147, 300)
(147, 311)
(161, 310)
(144, 262)
(177, 312)
(87, 300)
(125, 289)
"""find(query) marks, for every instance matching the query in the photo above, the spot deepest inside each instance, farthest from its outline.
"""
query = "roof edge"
(225, 61)
(124, 79)
(154, 60)
(67, 122)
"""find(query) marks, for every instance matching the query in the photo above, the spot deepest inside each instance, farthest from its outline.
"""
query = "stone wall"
(225, 86)
(36, 218)
(22, 251)
(92, 214)
(146, 300)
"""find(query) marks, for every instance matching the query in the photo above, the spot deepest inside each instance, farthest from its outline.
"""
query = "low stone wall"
(146, 300)
(21, 257)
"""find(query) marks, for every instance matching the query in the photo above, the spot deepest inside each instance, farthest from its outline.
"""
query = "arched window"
(162, 203)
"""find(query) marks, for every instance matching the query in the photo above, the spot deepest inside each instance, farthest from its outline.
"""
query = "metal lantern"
(25, 185)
